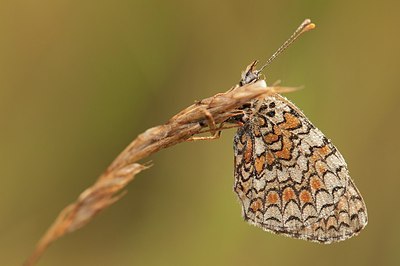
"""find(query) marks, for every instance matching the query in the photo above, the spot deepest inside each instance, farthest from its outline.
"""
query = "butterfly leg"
(215, 136)
(211, 124)
(216, 132)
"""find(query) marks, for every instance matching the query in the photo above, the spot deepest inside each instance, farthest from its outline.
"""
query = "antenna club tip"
(308, 27)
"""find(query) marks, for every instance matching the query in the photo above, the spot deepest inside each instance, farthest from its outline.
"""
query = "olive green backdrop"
(80, 79)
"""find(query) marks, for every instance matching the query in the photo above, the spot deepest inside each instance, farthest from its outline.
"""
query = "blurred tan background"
(80, 79)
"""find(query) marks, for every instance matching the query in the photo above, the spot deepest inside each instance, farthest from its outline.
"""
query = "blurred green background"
(80, 79)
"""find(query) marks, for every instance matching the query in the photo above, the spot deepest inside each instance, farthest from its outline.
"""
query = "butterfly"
(289, 178)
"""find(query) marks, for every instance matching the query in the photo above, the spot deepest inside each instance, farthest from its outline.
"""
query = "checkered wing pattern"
(290, 178)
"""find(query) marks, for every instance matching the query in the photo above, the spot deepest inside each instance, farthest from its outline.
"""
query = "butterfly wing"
(290, 178)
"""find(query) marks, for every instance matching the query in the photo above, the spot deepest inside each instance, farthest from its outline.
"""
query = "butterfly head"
(250, 75)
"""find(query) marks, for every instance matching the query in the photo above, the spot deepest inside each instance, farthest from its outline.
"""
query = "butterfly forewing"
(290, 178)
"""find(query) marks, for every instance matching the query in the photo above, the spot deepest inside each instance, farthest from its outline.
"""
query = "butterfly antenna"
(305, 26)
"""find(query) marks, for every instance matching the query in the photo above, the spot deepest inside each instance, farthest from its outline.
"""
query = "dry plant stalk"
(107, 189)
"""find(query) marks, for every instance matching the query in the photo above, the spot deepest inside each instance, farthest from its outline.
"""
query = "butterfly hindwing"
(290, 178)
